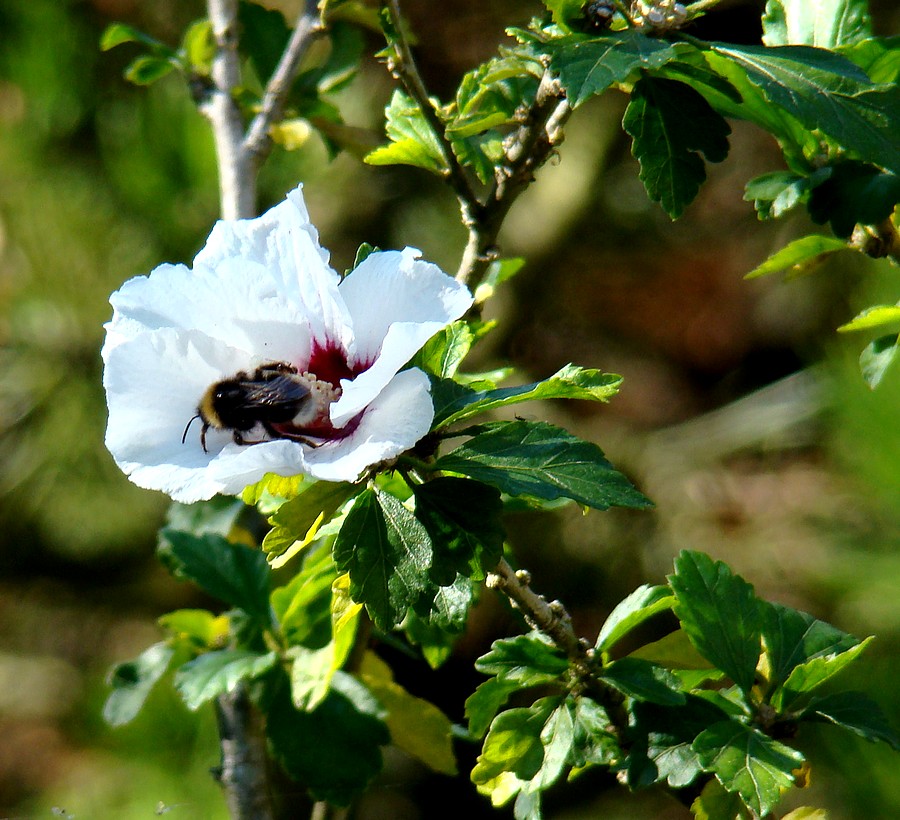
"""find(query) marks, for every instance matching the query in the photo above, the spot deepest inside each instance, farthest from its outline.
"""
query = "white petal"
(286, 244)
(398, 303)
(391, 424)
(153, 385)
(239, 304)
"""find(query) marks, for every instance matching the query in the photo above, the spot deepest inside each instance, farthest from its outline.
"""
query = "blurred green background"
(742, 415)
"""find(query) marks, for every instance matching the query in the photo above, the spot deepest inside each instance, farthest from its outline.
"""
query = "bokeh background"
(742, 413)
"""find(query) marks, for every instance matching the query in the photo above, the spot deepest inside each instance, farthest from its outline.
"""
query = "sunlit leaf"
(856, 712)
(132, 681)
(799, 255)
(645, 602)
(215, 673)
(825, 23)
(877, 357)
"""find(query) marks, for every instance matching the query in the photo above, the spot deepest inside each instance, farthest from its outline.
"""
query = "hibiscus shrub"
(364, 458)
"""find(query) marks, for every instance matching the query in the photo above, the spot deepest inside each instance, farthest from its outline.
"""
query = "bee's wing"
(280, 392)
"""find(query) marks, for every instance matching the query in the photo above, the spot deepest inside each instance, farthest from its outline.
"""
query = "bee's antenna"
(188, 427)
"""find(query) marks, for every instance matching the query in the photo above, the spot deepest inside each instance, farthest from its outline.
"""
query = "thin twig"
(242, 773)
(237, 180)
(258, 142)
(404, 68)
(528, 149)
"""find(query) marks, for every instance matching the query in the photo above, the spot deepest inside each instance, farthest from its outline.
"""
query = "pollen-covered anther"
(322, 394)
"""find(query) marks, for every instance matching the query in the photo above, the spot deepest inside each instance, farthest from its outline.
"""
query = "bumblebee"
(274, 396)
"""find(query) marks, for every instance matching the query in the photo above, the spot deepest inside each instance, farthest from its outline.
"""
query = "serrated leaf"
(805, 677)
(720, 614)
(540, 460)
(311, 673)
(557, 738)
(333, 750)
(296, 523)
(856, 712)
(416, 726)
(484, 703)
(412, 140)
(676, 652)
(643, 603)
(854, 193)
(792, 637)
(589, 66)
(490, 95)
(671, 124)
(233, 573)
(776, 193)
(823, 91)
(513, 743)
(447, 606)
(660, 740)
(525, 660)
(594, 742)
(145, 70)
(570, 382)
(463, 516)
(877, 357)
(387, 552)
(825, 23)
(215, 673)
(132, 682)
(799, 255)
(643, 680)
(748, 762)
(877, 316)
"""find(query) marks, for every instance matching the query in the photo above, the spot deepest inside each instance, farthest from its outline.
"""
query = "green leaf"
(877, 316)
(447, 606)
(825, 23)
(296, 523)
(264, 35)
(484, 703)
(557, 738)
(146, 70)
(197, 629)
(275, 487)
(463, 516)
(588, 66)
(776, 193)
(387, 552)
(219, 515)
(570, 382)
(490, 95)
(854, 193)
(335, 749)
(498, 272)
(525, 660)
(714, 803)
(117, 33)
(792, 638)
(671, 125)
(417, 727)
(854, 711)
(412, 142)
(311, 673)
(676, 652)
(823, 91)
(660, 740)
(806, 677)
(799, 255)
(564, 12)
(513, 743)
(643, 603)
(436, 643)
(748, 762)
(643, 680)
(879, 57)
(540, 460)
(303, 606)
(232, 573)
(199, 46)
(444, 352)
(131, 683)
(877, 357)
(593, 740)
(215, 673)
(720, 614)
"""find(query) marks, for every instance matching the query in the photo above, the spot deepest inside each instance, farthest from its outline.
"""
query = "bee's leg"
(239, 439)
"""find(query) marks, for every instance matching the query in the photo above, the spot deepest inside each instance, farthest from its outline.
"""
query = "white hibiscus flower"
(265, 320)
